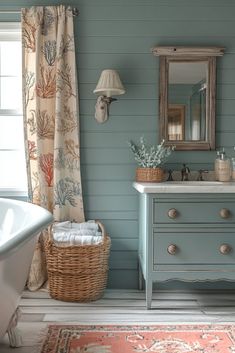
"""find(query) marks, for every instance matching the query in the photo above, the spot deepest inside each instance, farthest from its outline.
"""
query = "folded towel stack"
(69, 233)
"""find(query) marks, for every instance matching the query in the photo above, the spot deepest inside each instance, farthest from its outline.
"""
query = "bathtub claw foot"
(14, 335)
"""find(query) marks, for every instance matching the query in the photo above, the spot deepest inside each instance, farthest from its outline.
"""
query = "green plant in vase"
(150, 160)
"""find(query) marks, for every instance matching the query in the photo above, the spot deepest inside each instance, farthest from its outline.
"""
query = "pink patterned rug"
(139, 339)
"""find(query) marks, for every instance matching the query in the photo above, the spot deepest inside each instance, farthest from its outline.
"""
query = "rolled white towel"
(85, 240)
(78, 240)
(67, 236)
(69, 233)
(85, 232)
(92, 225)
(76, 232)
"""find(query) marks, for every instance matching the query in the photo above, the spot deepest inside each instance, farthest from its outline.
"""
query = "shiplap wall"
(119, 34)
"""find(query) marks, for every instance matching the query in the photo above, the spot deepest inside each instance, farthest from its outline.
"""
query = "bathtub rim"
(44, 218)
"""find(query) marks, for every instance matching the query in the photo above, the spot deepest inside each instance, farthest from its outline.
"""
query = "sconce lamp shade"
(109, 84)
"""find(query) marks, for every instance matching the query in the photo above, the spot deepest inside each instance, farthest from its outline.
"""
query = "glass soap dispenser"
(223, 167)
(233, 166)
(217, 164)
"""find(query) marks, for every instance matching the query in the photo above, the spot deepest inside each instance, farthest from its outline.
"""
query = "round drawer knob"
(172, 249)
(172, 213)
(224, 213)
(225, 249)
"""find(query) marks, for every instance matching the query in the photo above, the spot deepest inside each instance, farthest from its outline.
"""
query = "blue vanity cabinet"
(186, 236)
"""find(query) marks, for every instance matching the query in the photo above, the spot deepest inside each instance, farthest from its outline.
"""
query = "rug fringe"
(40, 339)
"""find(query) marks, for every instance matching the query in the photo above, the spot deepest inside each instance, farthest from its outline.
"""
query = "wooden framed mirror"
(187, 91)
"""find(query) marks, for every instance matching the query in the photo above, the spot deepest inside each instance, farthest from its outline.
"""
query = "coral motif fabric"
(51, 111)
(141, 339)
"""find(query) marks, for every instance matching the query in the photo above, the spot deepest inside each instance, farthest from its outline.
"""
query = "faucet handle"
(200, 172)
(170, 178)
(185, 172)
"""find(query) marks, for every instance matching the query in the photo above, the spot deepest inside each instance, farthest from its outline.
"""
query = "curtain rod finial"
(75, 11)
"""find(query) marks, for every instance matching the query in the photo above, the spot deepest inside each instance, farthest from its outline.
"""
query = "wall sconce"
(109, 85)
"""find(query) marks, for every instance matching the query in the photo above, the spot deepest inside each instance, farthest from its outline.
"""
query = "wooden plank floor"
(120, 306)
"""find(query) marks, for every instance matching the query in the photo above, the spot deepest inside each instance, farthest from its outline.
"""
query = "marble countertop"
(186, 187)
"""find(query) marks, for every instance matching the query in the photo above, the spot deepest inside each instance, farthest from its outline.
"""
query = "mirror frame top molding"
(188, 54)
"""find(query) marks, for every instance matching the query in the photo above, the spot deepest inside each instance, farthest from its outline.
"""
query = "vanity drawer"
(194, 248)
(193, 212)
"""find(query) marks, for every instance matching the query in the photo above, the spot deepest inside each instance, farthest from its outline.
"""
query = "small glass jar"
(233, 168)
(224, 168)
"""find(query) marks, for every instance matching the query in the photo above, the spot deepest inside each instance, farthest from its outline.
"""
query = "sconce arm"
(108, 100)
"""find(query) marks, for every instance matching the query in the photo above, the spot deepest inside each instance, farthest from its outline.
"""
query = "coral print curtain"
(51, 119)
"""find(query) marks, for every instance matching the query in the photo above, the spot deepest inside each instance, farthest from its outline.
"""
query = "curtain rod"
(74, 10)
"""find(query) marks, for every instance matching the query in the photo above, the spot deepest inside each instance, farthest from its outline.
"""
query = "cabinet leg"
(140, 277)
(149, 289)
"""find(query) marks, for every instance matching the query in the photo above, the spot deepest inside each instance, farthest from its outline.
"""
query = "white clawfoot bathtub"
(20, 222)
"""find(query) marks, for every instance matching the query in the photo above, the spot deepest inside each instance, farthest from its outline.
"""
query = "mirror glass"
(187, 91)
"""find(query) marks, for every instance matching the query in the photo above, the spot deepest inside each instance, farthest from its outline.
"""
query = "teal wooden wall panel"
(109, 188)
(141, 45)
(120, 216)
(119, 123)
(119, 34)
(225, 107)
(135, 28)
(138, 107)
(157, 13)
(130, 75)
(114, 139)
(105, 172)
(126, 277)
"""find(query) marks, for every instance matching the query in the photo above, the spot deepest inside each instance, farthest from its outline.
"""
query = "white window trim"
(13, 192)
(11, 31)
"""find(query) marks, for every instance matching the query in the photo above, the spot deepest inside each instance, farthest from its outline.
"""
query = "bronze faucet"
(185, 173)
(200, 177)
(170, 178)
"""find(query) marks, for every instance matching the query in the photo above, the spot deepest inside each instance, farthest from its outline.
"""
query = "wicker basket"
(154, 175)
(77, 273)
